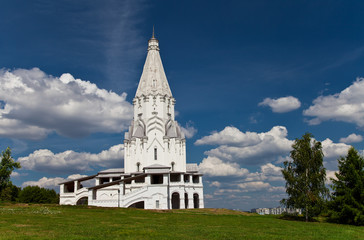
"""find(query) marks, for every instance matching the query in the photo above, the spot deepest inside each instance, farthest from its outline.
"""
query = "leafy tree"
(35, 194)
(305, 177)
(7, 166)
(10, 193)
(347, 205)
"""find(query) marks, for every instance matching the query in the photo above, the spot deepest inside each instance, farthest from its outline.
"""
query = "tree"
(10, 193)
(305, 177)
(347, 205)
(35, 194)
(7, 166)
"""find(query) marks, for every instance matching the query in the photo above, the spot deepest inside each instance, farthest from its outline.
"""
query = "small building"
(276, 211)
(155, 173)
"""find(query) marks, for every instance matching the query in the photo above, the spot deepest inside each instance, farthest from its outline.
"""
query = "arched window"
(155, 154)
(138, 166)
(172, 164)
(196, 201)
(175, 200)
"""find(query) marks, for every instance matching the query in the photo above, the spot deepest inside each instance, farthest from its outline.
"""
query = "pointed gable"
(153, 80)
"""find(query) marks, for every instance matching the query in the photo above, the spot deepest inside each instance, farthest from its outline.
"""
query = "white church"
(155, 173)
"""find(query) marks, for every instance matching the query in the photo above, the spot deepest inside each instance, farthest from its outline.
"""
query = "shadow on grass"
(299, 218)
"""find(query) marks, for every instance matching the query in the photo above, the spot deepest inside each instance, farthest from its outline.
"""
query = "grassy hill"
(68, 222)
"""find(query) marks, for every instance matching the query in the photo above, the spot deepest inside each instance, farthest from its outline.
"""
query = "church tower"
(154, 137)
(155, 173)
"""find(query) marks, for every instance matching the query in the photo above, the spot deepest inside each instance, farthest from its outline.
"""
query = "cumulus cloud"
(213, 166)
(44, 160)
(268, 172)
(332, 151)
(346, 106)
(52, 183)
(189, 130)
(249, 148)
(281, 105)
(215, 184)
(330, 175)
(352, 138)
(35, 104)
(254, 186)
(230, 136)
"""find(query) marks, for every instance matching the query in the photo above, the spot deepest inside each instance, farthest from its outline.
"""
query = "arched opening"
(186, 200)
(196, 201)
(175, 200)
(137, 205)
(82, 201)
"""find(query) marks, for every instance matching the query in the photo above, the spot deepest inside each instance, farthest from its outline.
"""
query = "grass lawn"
(19, 221)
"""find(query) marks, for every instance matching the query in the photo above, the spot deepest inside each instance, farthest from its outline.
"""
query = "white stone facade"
(155, 173)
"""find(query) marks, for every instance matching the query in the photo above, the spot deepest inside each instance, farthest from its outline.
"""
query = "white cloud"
(281, 105)
(346, 106)
(230, 136)
(277, 189)
(52, 183)
(213, 166)
(329, 175)
(37, 104)
(45, 182)
(189, 130)
(215, 184)
(352, 138)
(332, 151)
(254, 186)
(249, 148)
(44, 160)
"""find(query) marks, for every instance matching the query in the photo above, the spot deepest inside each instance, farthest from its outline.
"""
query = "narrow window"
(155, 153)
(172, 164)
(157, 204)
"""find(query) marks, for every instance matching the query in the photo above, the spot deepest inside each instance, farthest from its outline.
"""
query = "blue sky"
(249, 77)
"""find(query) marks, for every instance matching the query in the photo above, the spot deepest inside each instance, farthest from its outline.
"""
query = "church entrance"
(196, 201)
(175, 200)
(82, 201)
(137, 205)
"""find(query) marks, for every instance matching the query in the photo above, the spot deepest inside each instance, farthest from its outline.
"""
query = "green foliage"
(347, 205)
(10, 193)
(7, 166)
(35, 194)
(305, 177)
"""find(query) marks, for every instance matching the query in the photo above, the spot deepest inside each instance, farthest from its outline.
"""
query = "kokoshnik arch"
(155, 173)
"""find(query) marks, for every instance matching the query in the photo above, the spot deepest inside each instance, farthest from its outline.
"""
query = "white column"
(61, 189)
(75, 186)
(190, 201)
(147, 179)
(165, 178)
(181, 200)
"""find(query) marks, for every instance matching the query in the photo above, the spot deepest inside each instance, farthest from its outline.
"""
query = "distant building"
(155, 173)
(276, 211)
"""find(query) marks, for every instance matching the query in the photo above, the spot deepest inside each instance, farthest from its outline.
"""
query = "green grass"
(70, 222)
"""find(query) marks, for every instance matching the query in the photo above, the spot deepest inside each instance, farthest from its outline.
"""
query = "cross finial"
(153, 31)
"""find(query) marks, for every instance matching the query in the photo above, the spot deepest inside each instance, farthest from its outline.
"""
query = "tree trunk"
(306, 213)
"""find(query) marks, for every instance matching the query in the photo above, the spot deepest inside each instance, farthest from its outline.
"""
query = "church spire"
(153, 80)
